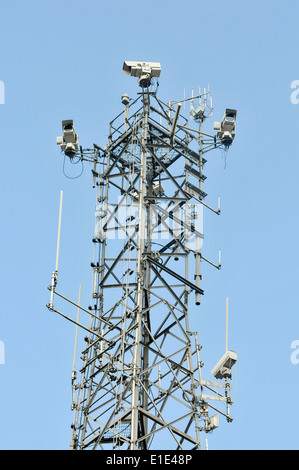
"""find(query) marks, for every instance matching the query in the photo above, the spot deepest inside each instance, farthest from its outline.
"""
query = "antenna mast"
(141, 383)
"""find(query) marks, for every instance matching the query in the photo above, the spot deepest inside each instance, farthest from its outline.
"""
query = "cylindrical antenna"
(77, 325)
(219, 260)
(191, 104)
(175, 120)
(59, 228)
(226, 328)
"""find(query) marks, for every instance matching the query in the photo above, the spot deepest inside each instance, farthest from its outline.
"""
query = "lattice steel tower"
(140, 384)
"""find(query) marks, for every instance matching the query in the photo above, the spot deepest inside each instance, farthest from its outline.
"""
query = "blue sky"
(62, 60)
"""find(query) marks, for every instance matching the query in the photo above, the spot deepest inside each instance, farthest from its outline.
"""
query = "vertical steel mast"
(140, 384)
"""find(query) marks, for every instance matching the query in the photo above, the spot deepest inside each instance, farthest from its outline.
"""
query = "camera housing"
(227, 127)
(223, 367)
(144, 71)
(69, 141)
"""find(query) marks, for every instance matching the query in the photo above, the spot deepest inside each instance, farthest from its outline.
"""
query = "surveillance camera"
(69, 141)
(227, 127)
(145, 71)
(69, 134)
(223, 367)
(125, 99)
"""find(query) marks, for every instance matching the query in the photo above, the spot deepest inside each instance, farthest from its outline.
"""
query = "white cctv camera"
(223, 367)
(227, 127)
(145, 71)
(69, 141)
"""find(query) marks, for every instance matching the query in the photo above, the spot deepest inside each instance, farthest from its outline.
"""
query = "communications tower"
(140, 385)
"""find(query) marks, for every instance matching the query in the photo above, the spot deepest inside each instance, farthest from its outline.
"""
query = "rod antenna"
(58, 234)
(226, 334)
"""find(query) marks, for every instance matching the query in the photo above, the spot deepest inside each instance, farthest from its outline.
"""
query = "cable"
(153, 83)
(224, 154)
(73, 163)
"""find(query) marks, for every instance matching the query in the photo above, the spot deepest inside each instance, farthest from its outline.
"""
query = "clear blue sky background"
(63, 59)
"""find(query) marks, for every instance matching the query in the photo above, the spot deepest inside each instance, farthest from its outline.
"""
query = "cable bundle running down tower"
(140, 384)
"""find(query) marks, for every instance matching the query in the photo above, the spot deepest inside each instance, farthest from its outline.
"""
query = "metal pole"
(140, 274)
(198, 242)
(74, 377)
(76, 336)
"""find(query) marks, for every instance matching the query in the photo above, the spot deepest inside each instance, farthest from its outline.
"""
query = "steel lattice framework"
(141, 382)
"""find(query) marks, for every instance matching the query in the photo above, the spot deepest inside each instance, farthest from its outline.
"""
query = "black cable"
(73, 163)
